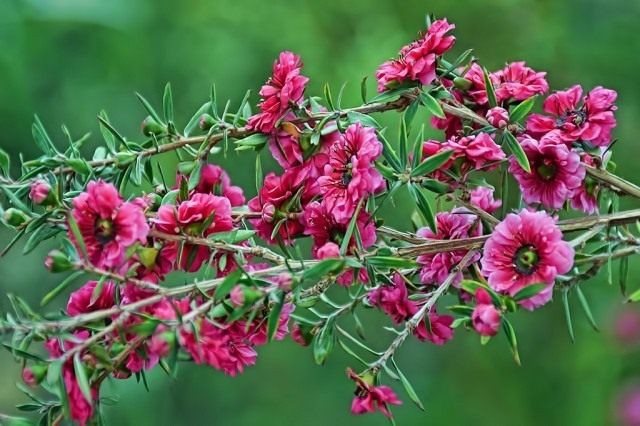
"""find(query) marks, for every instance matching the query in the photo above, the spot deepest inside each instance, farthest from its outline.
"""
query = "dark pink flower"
(478, 90)
(108, 225)
(80, 409)
(351, 175)
(482, 198)
(417, 61)
(518, 82)
(285, 87)
(556, 172)
(476, 151)
(485, 318)
(199, 216)
(80, 301)
(435, 328)
(214, 180)
(454, 225)
(593, 121)
(370, 398)
(524, 249)
(498, 117)
(393, 300)
(39, 192)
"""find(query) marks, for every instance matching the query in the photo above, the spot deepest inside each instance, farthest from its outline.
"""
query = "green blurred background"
(68, 59)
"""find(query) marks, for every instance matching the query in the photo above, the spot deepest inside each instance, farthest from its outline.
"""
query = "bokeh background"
(68, 59)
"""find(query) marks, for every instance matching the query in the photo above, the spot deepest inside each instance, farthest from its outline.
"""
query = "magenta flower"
(285, 87)
(351, 175)
(199, 216)
(454, 225)
(80, 300)
(524, 249)
(485, 318)
(438, 331)
(214, 180)
(498, 117)
(108, 225)
(39, 191)
(482, 198)
(417, 61)
(518, 82)
(593, 121)
(556, 172)
(477, 151)
(370, 398)
(393, 300)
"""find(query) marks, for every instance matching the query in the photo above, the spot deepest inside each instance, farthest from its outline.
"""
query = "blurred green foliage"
(68, 59)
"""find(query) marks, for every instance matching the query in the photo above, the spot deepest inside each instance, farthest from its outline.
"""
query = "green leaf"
(41, 137)
(274, 315)
(79, 166)
(511, 338)
(363, 89)
(390, 262)
(194, 176)
(232, 237)
(195, 120)
(567, 313)
(322, 269)
(491, 93)
(389, 153)
(407, 386)
(109, 133)
(514, 147)
(152, 112)
(504, 190)
(432, 163)
(324, 341)
(227, 284)
(77, 235)
(22, 353)
(351, 352)
(436, 186)
(585, 307)
(351, 228)
(529, 291)
(41, 234)
(522, 109)
(256, 142)
(432, 104)
(167, 103)
(624, 274)
(5, 162)
(364, 119)
(327, 96)
(17, 203)
(60, 288)
(403, 141)
(424, 207)
(81, 376)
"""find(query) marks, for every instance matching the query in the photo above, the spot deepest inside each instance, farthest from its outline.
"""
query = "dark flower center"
(577, 117)
(526, 260)
(347, 175)
(104, 230)
(193, 229)
(547, 170)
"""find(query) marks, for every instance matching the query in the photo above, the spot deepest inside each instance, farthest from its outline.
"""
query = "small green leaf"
(324, 341)
(389, 153)
(81, 376)
(432, 104)
(432, 163)
(351, 228)
(491, 93)
(194, 176)
(407, 386)
(232, 237)
(145, 103)
(624, 274)
(424, 207)
(511, 338)
(256, 142)
(22, 353)
(364, 119)
(167, 103)
(390, 262)
(522, 110)
(227, 284)
(529, 291)
(274, 315)
(585, 307)
(363, 89)
(327, 96)
(5, 162)
(60, 288)
(195, 120)
(567, 313)
(323, 268)
(79, 166)
(77, 235)
(514, 147)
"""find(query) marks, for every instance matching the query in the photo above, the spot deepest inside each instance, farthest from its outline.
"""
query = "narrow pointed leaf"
(516, 149)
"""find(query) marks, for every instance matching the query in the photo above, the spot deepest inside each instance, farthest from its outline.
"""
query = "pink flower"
(593, 121)
(80, 301)
(518, 82)
(417, 61)
(393, 300)
(498, 117)
(628, 406)
(285, 87)
(482, 198)
(80, 409)
(485, 317)
(332, 250)
(439, 330)
(328, 250)
(39, 192)
(524, 249)
(108, 225)
(214, 180)
(351, 175)
(370, 398)
(477, 151)
(556, 172)
(627, 327)
(478, 89)
(199, 216)
(454, 225)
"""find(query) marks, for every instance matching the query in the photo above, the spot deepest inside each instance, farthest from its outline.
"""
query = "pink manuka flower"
(417, 61)
(478, 152)
(393, 300)
(498, 117)
(518, 82)
(524, 249)
(80, 300)
(214, 180)
(485, 317)
(482, 198)
(438, 331)
(108, 225)
(285, 87)
(39, 191)
(370, 398)
(351, 175)
(556, 172)
(199, 216)
(454, 225)
(593, 121)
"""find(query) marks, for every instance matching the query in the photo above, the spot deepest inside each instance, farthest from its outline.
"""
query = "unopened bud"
(498, 117)
(206, 121)
(150, 127)
(42, 194)
(124, 158)
(462, 83)
(57, 261)
(148, 256)
(32, 376)
(268, 213)
(15, 217)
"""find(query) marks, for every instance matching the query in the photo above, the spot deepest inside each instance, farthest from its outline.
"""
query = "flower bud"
(462, 83)
(57, 261)
(242, 295)
(205, 122)
(268, 213)
(498, 117)
(32, 376)
(124, 158)
(14, 217)
(148, 256)
(42, 194)
(237, 296)
(150, 127)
